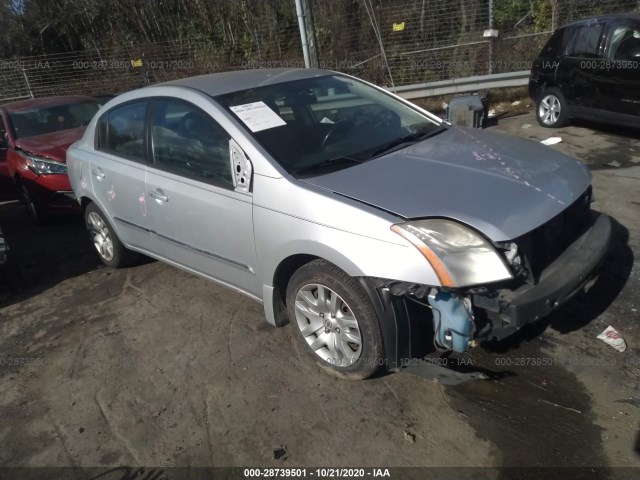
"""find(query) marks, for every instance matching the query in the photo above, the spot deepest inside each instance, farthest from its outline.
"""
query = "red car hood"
(51, 145)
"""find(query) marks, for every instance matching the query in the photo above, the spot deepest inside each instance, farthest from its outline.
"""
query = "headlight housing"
(42, 166)
(459, 256)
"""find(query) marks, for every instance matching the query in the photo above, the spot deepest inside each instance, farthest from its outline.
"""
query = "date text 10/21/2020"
(320, 473)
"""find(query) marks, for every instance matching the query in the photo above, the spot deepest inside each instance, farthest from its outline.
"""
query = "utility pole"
(312, 40)
(307, 33)
(491, 38)
(554, 14)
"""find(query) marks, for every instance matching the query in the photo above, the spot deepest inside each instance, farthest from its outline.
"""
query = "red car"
(35, 135)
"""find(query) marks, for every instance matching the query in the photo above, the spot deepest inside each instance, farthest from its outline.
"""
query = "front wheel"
(110, 249)
(552, 110)
(37, 212)
(334, 320)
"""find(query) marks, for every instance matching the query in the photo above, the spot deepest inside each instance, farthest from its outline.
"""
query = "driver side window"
(625, 43)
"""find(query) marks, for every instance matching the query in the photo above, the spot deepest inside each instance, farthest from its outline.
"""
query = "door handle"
(159, 195)
(98, 173)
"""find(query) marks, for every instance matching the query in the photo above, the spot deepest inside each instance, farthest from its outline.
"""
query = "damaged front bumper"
(576, 268)
(486, 312)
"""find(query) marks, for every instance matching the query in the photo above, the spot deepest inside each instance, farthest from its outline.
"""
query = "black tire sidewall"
(563, 118)
(38, 215)
(324, 273)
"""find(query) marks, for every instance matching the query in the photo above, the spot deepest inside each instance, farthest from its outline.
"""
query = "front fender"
(280, 237)
(357, 255)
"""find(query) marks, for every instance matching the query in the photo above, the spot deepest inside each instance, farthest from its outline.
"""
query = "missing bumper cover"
(500, 310)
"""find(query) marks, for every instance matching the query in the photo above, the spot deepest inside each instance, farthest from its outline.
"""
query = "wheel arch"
(275, 293)
(542, 87)
(85, 200)
(281, 276)
(393, 321)
(84, 203)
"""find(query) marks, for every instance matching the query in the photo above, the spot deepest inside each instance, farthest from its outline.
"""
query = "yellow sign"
(398, 27)
(136, 63)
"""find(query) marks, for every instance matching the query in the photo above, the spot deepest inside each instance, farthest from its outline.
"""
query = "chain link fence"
(389, 43)
(420, 41)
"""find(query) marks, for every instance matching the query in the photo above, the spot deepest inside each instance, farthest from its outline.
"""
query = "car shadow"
(584, 307)
(41, 256)
(608, 128)
(495, 119)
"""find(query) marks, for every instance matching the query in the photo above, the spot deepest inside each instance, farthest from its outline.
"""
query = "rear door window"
(121, 131)
(554, 46)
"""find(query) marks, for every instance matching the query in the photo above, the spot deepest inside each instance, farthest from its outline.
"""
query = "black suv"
(589, 69)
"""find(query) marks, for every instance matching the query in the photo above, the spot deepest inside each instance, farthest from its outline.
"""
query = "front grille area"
(542, 246)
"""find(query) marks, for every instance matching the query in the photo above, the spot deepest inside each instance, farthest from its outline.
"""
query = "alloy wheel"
(549, 109)
(328, 325)
(100, 235)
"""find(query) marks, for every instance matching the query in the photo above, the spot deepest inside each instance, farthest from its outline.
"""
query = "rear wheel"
(109, 247)
(552, 110)
(334, 320)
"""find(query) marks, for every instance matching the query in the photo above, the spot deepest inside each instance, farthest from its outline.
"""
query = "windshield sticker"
(258, 116)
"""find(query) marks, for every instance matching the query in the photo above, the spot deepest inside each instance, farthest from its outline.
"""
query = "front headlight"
(42, 166)
(459, 256)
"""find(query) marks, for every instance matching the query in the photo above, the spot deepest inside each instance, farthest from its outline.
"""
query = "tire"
(109, 247)
(552, 110)
(347, 341)
(37, 212)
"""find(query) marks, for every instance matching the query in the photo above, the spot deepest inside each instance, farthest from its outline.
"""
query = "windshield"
(327, 122)
(53, 118)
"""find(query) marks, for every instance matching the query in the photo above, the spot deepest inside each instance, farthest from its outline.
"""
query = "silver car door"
(201, 221)
(118, 169)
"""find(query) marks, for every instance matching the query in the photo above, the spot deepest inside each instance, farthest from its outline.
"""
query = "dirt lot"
(153, 366)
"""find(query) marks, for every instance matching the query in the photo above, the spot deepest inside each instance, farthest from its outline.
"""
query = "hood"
(51, 145)
(501, 185)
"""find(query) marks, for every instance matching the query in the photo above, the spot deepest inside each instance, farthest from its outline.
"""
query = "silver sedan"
(347, 211)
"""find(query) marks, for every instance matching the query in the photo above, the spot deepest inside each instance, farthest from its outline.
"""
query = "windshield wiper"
(405, 141)
(328, 163)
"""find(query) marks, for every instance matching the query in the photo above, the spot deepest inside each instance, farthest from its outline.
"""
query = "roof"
(42, 102)
(610, 17)
(214, 84)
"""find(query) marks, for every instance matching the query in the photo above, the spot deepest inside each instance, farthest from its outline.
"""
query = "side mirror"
(241, 168)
